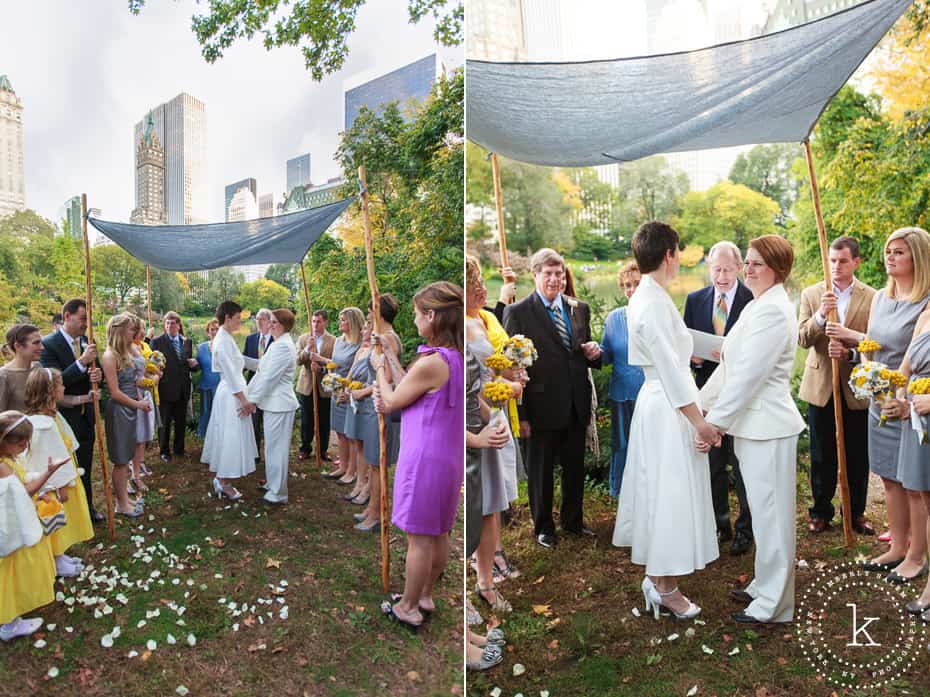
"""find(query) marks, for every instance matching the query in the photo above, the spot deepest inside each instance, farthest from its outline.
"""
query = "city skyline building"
(180, 126)
(302, 198)
(298, 171)
(244, 206)
(266, 206)
(150, 179)
(12, 151)
(73, 218)
(413, 81)
(230, 190)
(496, 30)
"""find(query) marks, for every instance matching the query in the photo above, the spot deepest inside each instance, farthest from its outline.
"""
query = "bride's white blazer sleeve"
(270, 369)
(228, 365)
(748, 359)
(656, 338)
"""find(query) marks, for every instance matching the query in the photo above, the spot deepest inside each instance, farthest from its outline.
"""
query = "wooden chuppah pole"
(499, 202)
(148, 292)
(98, 424)
(848, 535)
(316, 404)
(382, 422)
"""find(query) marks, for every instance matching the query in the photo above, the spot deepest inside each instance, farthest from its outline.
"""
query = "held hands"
(895, 409)
(591, 350)
(94, 374)
(827, 304)
(836, 350)
(708, 436)
(844, 335)
(493, 436)
(246, 408)
(89, 355)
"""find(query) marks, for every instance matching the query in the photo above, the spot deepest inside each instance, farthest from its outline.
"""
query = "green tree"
(264, 292)
(287, 275)
(726, 211)
(767, 169)
(321, 28)
(222, 284)
(117, 274)
(649, 189)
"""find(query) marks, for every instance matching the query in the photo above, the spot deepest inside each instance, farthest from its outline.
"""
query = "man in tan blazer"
(852, 299)
(316, 342)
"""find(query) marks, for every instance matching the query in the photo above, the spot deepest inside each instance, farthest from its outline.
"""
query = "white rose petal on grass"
(692, 692)
(635, 612)
(40, 644)
(191, 640)
(181, 690)
(734, 651)
(140, 624)
(235, 627)
(106, 641)
(496, 692)
(132, 654)
(518, 669)
(802, 564)
(706, 649)
(544, 693)
(69, 629)
(51, 627)
(115, 632)
(53, 672)
(151, 645)
(689, 632)
(672, 637)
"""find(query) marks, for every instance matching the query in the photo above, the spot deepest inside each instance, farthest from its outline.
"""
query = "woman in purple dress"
(428, 480)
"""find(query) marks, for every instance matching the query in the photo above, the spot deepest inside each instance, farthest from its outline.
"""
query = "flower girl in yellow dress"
(27, 568)
(52, 437)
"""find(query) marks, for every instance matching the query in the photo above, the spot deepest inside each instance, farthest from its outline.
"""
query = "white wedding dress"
(229, 447)
(665, 513)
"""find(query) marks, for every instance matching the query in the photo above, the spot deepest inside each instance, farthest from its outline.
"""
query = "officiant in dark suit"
(556, 405)
(68, 350)
(714, 310)
(174, 388)
(256, 344)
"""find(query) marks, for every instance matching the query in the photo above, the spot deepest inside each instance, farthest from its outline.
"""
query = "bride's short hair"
(651, 242)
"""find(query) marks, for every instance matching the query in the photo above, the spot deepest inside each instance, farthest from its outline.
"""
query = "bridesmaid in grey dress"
(351, 321)
(892, 323)
(122, 408)
(358, 422)
(914, 456)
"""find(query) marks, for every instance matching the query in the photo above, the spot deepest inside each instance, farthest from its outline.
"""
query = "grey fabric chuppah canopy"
(283, 239)
(767, 89)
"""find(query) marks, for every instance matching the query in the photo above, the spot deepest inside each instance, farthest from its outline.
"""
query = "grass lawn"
(240, 599)
(575, 632)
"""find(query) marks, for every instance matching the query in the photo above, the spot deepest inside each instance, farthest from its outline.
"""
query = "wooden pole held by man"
(316, 404)
(382, 422)
(848, 535)
(98, 424)
(499, 202)
(148, 292)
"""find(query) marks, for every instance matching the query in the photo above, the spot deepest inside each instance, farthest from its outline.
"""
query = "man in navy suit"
(174, 388)
(67, 349)
(255, 346)
(714, 310)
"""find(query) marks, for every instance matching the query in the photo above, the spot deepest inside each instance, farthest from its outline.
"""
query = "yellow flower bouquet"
(520, 350)
(919, 423)
(874, 380)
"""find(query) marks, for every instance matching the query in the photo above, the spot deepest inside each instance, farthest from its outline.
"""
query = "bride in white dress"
(666, 515)
(229, 447)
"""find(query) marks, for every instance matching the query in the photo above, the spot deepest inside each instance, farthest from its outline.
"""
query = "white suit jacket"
(749, 395)
(272, 386)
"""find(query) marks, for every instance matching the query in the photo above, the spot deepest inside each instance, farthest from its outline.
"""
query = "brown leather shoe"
(817, 525)
(862, 526)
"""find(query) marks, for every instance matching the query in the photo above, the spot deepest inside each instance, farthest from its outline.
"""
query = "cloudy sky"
(86, 71)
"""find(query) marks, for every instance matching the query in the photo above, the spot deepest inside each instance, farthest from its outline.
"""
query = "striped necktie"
(176, 342)
(720, 315)
(560, 327)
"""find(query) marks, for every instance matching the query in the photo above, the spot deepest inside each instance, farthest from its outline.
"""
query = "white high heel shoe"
(648, 590)
(689, 614)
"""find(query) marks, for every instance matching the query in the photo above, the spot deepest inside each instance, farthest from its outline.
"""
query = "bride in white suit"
(749, 397)
(272, 390)
(665, 513)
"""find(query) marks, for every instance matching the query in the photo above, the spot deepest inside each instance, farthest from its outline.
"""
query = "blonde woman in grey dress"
(892, 322)
(351, 321)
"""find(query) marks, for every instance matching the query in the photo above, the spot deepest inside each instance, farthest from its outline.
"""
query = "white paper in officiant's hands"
(705, 345)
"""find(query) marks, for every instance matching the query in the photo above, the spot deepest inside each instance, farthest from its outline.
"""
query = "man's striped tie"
(720, 316)
(560, 327)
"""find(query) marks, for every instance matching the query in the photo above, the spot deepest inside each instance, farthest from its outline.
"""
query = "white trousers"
(278, 426)
(769, 469)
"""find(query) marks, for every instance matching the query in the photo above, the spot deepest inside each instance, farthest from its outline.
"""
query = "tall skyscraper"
(231, 190)
(244, 206)
(150, 179)
(496, 30)
(266, 206)
(73, 216)
(12, 172)
(412, 81)
(298, 171)
(180, 126)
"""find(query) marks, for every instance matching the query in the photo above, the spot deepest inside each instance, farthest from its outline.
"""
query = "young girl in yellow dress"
(27, 568)
(53, 437)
